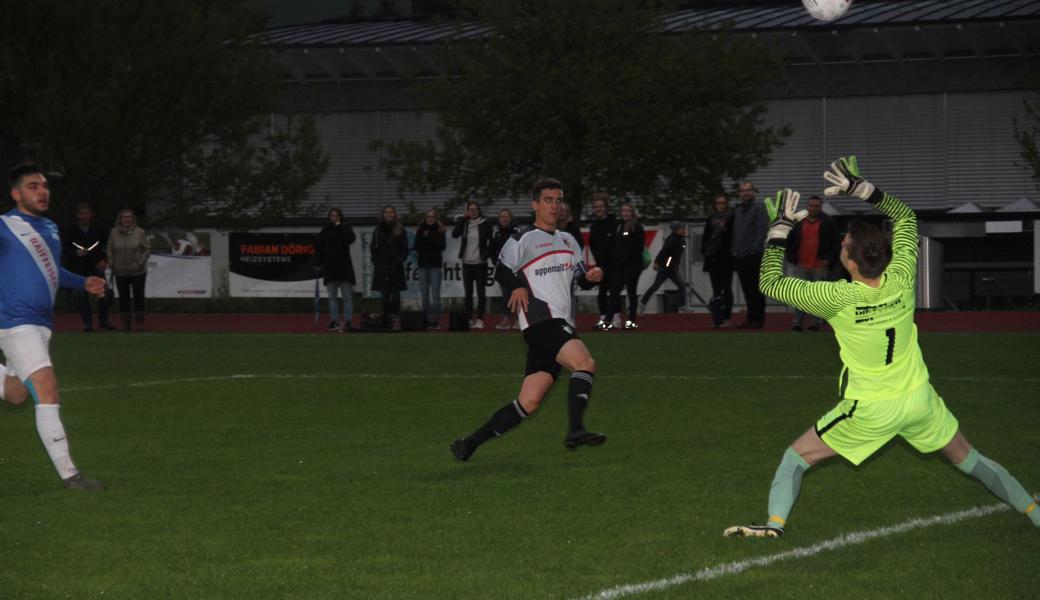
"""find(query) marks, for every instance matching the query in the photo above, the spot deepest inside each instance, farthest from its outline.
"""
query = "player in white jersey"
(541, 267)
(30, 259)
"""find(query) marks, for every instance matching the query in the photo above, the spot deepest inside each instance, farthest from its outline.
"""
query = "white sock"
(52, 433)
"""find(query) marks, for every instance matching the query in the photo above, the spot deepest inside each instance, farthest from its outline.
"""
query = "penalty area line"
(846, 539)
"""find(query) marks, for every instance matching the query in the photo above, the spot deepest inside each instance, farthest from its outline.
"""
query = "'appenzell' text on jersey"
(30, 270)
(546, 263)
(874, 326)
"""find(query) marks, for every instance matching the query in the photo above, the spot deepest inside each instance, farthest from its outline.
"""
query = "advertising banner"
(177, 276)
(271, 264)
(282, 265)
(180, 265)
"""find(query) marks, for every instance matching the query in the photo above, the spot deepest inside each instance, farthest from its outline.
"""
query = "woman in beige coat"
(128, 251)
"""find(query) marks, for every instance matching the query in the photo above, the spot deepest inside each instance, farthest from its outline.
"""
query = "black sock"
(504, 419)
(578, 398)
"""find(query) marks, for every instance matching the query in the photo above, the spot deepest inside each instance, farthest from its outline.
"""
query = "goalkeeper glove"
(844, 174)
(783, 214)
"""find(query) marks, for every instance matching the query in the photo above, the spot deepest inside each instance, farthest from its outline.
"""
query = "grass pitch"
(317, 466)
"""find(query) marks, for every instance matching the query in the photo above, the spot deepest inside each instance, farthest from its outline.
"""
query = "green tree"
(1027, 132)
(592, 92)
(164, 104)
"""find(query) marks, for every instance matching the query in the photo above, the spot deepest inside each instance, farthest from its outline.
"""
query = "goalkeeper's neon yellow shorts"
(855, 429)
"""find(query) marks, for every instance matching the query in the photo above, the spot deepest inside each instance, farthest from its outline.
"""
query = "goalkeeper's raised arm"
(846, 179)
(821, 298)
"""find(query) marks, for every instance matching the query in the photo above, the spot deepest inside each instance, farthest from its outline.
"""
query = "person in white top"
(541, 267)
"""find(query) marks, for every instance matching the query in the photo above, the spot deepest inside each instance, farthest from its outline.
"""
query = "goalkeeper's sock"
(784, 491)
(52, 434)
(578, 398)
(1003, 485)
(504, 419)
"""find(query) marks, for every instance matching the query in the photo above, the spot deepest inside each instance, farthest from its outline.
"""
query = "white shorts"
(26, 349)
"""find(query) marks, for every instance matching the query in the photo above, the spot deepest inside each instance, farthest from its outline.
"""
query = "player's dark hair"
(337, 211)
(22, 170)
(545, 183)
(869, 247)
(815, 197)
(480, 213)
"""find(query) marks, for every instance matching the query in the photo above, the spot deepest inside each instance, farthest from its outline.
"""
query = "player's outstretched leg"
(995, 477)
(532, 391)
(787, 482)
(504, 419)
(806, 451)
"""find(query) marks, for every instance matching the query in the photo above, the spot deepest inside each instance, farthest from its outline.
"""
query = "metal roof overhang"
(871, 32)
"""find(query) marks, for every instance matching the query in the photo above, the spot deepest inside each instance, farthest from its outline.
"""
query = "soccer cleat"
(631, 325)
(333, 326)
(583, 438)
(79, 482)
(503, 324)
(766, 531)
(461, 450)
(814, 327)
(616, 323)
(477, 324)
(796, 328)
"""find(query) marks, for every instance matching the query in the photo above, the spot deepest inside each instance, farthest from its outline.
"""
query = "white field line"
(847, 539)
(402, 376)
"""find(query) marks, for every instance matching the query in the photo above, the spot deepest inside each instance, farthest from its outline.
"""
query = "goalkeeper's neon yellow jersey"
(874, 326)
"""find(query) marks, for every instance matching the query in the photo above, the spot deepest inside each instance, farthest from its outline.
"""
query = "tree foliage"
(1027, 133)
(592, 92)
(160, 103)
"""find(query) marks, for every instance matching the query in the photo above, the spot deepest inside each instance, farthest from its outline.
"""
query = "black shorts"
(544, 341)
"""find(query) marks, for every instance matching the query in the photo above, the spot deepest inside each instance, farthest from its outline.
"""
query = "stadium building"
(926, 92)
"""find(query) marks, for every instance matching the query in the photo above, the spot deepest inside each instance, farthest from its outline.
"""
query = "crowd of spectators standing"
(732, 242)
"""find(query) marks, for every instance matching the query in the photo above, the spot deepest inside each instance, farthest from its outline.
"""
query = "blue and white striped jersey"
(30, 270)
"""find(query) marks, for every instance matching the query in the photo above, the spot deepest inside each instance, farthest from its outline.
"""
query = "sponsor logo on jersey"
(568, 329)
(541, 271)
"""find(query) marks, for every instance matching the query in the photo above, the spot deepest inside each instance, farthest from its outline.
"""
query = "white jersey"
(546, 263)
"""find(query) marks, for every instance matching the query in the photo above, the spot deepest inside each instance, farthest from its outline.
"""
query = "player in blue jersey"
(31, 272)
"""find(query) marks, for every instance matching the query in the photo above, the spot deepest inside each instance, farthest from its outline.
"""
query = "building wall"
(936, 150)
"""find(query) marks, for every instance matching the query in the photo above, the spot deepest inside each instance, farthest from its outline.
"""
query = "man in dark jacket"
(667, 264)
(84, 255)
(337, 268)
(749, 239)
(810, 247)
(601, 244)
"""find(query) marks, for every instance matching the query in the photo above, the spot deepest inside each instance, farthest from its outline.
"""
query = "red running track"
(964, 322)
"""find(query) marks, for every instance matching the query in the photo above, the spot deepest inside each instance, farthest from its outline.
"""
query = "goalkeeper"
(883, 388)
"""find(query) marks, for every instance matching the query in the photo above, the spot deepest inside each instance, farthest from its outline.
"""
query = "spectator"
(337, 269)
(389, 251)
(84, 247)
(429, 246)
(809, 250)
(505, 230)
(667, 264)
(716, 243)
(601, 246)
(749, 236)
(565, 223)
(475, 232)
(629, 244)
(128, 251)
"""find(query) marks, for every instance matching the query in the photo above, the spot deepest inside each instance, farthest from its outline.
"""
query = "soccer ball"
(826, 10)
